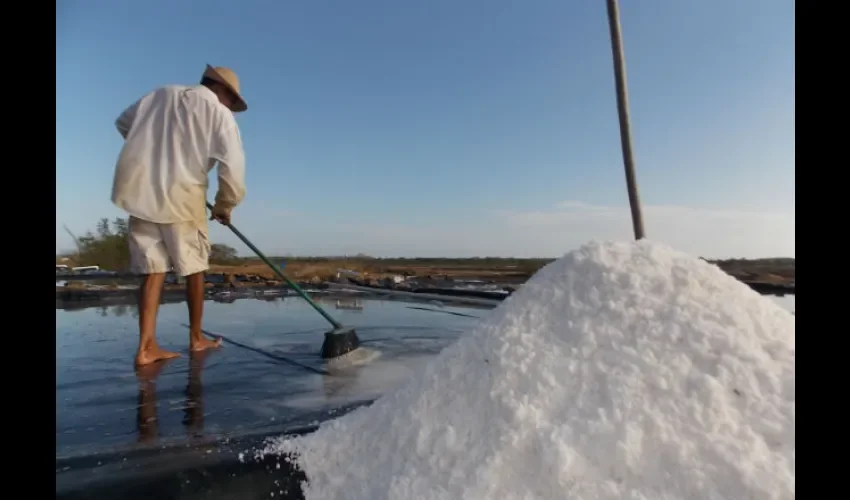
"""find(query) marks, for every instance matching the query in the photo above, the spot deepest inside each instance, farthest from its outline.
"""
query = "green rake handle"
(282, 276)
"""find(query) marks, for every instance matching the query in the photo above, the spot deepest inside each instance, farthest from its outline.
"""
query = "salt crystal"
(622, 370)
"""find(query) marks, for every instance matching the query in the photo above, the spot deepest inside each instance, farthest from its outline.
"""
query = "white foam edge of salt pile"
(624, 370)
(353, 359)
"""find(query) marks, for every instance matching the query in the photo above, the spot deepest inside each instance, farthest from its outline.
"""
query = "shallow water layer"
(268, 378)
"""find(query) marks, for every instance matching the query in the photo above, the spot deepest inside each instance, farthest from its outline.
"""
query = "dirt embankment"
(772, 271)
(318, 272)
(780, 271)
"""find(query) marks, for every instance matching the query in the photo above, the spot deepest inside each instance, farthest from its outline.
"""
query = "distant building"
(85, 269)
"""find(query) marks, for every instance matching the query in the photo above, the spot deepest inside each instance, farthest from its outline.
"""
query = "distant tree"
(222, 254)
(107, 247)
(103, 228)
(121, 226)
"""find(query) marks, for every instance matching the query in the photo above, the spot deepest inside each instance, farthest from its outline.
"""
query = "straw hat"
(228, 78)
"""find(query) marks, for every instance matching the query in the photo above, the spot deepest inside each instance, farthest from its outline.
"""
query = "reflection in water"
(104, 311)
(277, 296)
(271, 298)
(75, 306)
(193, 411)
(119, 310)
(351, 305)
(146, 421)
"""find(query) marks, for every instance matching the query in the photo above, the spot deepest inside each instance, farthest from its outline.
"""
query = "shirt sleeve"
(231, 166)
(125, 122)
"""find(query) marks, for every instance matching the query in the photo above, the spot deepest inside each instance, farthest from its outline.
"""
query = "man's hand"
(221, 214)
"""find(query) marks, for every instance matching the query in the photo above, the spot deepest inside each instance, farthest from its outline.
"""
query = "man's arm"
(125, 122)
(231, 168)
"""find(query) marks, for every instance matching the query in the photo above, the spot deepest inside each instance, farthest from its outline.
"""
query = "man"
(173, 137)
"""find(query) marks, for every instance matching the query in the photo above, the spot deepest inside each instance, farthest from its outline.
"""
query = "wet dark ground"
(120, 433)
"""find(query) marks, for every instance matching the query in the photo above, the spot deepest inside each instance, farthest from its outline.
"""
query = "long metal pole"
(623, 111)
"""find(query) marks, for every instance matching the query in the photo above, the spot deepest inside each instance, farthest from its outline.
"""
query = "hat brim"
(240, 104)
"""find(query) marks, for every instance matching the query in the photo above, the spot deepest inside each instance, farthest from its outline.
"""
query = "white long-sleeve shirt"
(173, 138)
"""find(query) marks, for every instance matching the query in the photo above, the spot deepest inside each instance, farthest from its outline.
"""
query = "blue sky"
(455, 127)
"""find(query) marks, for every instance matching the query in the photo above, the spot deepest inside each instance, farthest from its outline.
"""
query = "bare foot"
(204, 343)
(153, 355)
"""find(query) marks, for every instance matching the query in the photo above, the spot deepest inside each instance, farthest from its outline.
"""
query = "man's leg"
(148, 257)
(189, 249)
(195, 296)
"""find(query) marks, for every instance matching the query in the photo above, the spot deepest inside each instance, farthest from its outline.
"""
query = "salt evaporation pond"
(623, 370)
(99, 397)
(244, 394)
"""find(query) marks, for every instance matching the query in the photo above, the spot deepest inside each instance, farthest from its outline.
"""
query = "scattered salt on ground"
(620, 371)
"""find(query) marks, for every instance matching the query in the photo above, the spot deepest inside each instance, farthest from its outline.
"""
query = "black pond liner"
(212, 470)
(205, 470)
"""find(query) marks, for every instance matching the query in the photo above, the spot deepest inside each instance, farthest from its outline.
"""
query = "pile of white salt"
(620, 371)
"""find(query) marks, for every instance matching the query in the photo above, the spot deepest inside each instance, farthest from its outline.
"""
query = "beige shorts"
(159, 248)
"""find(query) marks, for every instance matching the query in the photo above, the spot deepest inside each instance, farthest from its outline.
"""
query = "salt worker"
(173, 137)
